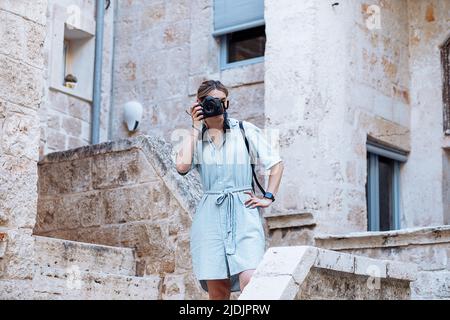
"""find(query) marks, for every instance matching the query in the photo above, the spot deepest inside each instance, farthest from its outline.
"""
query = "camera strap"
(241, 126)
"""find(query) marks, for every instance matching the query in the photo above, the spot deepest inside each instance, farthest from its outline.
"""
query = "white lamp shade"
(133, 115)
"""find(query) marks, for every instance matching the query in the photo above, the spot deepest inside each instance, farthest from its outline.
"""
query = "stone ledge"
(85, 256)
(72, 284)
(284, 269)
(289, 220)
(92, 150)
(384, 239)
(3, 241)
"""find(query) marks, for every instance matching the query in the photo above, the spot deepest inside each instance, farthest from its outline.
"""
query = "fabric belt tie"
(228, 196)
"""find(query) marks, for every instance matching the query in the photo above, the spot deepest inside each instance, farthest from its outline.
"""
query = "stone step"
(72, 284)
(86, 257)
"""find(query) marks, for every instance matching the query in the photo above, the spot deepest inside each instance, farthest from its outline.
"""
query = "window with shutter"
(240, 26)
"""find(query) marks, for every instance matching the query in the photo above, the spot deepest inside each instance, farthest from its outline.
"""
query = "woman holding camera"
(227, 235)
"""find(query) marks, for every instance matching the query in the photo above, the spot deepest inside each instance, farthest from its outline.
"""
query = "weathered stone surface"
(3, 242)
(293, 261)
(422, 252)
(278, 221)
(20, 83)
(18, 257)
(314, 273)
(112, 170)
(64, 254)
(33, 10)
(21, 39)
(332, 285)
(335, 261)
(16, 289)
(395, 238)
(373, 267)
(401, 270)
(281, 287)
(65, 177)
(173, 287)
(148, 201)
(73, 284)
(150, 239)
(48, 208)
(18, 192)
(431, 285)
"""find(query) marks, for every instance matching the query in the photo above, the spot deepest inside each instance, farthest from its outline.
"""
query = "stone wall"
(66, 119)
(341, 81)
(22, 65)
(127, 194)
(428, 248)
(424, 176)
(164, 50)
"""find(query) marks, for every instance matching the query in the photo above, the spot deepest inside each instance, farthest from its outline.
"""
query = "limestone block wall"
(341, 80)
(428, 248)
(164, 50)
(426, 198)
(22, 64)
(305, 77)
(128, 194)
(378, 101)
(65, 120)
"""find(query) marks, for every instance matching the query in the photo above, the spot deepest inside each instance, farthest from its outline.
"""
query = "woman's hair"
(208, 86)
(202, 92)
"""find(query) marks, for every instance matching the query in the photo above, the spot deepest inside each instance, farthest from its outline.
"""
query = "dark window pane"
(386, 173)
(246, 44)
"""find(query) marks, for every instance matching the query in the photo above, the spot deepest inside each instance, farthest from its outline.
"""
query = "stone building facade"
(333, 78)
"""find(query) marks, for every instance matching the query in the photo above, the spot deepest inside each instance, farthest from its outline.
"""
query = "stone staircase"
(74, 270)
(125, 195)
(125, 215)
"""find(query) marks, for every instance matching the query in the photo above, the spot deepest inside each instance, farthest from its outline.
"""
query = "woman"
(227, 235)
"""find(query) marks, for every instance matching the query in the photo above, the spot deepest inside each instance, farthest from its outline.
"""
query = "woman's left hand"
(255, 201)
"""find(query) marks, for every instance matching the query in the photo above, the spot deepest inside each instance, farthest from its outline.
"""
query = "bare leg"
(219, 289)
(244, 278)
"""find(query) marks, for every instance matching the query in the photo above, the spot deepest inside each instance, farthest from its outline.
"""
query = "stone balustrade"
(305, 272)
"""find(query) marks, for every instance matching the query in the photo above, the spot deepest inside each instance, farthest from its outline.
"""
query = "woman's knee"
(244, 278)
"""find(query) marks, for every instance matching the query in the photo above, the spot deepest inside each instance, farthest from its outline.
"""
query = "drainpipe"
(113, 69)
(97, 94)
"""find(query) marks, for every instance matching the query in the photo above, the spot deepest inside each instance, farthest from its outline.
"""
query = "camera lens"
(209, 106)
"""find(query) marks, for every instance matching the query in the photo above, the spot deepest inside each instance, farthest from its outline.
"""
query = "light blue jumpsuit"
(226, 237)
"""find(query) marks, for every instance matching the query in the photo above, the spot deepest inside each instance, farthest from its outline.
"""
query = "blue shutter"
(384, 151)
(373, 184)
(236, 15)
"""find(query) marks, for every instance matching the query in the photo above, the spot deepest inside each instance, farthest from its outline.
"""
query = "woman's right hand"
(197, 115)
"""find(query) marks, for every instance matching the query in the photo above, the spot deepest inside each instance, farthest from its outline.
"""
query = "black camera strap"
(241, 126)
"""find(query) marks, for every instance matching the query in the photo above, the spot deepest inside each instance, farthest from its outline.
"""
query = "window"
(79, 50)
(243, 47)
(72, 54)
(383, 186)
(445, 54)
(240, 26)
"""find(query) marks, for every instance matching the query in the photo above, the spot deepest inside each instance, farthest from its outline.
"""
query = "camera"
(212, 106)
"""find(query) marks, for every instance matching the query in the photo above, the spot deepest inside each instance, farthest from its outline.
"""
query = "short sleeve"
(266, 152)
